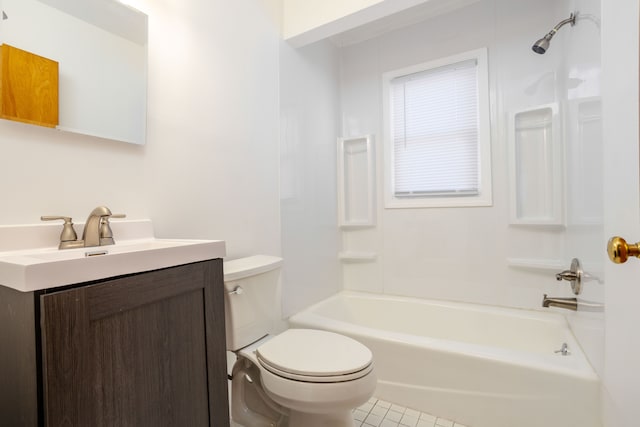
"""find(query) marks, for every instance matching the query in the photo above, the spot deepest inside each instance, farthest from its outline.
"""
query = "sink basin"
(44, 268)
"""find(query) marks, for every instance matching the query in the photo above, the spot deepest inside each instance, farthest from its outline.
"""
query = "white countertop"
(29, 262)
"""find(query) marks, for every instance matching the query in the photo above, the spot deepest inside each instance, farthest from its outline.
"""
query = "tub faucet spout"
(567, 303)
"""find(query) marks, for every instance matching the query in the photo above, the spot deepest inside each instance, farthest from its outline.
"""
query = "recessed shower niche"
(356, 202)
(535, 165)
(355, 182)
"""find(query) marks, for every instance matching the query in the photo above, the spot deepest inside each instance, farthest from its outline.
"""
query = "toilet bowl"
(298, 378)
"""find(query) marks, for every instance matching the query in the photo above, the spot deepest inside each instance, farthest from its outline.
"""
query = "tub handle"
(573, 276)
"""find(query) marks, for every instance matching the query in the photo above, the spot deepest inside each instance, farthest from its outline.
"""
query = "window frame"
(484, 196)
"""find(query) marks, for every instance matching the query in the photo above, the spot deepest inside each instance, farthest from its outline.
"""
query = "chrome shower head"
(542, 45)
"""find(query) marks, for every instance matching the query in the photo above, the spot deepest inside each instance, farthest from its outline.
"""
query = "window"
(437, 136)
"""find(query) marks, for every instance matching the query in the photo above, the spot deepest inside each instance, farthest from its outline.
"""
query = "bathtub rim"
(575, 365)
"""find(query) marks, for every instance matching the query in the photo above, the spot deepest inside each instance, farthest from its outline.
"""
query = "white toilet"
(299, 378)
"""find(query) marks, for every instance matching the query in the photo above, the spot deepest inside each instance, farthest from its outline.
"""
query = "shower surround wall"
(309, 123)
(462, 253)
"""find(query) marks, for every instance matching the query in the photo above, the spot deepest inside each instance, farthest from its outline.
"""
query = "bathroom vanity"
(139, 349)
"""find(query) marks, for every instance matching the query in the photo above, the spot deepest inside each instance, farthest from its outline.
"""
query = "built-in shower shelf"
(357, 256)
(356, 189)
(536, 264)
(536, 167)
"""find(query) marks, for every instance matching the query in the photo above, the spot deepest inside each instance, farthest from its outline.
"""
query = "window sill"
(438, 202)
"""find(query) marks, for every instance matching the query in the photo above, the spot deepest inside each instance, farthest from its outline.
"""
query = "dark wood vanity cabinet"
(140, 350)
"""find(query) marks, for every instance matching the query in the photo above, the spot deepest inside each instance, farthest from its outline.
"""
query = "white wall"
(309, 129)
(212, 155)
(210, 165)
(462, 253)
(47, 172)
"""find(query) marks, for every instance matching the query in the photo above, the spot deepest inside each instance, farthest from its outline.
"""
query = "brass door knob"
(619, 250)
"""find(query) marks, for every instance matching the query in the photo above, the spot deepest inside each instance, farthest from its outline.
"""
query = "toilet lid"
(315, 356)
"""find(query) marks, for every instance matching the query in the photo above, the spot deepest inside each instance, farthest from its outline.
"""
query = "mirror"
(101, 48)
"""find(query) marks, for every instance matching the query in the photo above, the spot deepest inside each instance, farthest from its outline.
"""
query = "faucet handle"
(573, 276)
(567, 275)
(106, 234)
(68, 232)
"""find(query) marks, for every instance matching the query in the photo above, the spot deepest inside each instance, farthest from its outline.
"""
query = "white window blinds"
(435, 132)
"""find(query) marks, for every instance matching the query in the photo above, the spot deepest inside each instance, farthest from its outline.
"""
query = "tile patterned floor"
(378, 413)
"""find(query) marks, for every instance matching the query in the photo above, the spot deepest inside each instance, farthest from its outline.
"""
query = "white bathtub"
(482, 366)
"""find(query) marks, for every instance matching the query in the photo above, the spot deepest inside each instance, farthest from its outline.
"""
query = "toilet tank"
(251, 298)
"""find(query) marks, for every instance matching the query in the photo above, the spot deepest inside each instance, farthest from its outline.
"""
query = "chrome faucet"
(568, 303)
(97, 231)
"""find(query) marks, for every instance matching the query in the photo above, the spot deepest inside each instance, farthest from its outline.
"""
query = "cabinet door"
(143, 350)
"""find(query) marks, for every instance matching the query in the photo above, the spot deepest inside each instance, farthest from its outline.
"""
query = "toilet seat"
(315, 356)
(318, 379)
